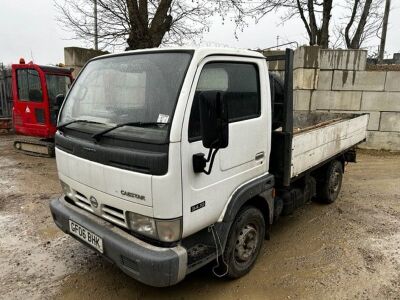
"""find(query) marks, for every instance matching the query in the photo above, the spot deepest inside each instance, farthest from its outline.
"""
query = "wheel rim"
(334, 182)
(246, 243)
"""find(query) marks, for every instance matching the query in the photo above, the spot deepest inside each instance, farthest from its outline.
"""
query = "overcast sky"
(28, 28)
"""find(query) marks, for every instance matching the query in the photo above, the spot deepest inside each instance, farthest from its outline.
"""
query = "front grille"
(114, 214)
(108, 212)
(82, 201)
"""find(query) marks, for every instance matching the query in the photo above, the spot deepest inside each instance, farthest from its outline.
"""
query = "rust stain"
(345, 75)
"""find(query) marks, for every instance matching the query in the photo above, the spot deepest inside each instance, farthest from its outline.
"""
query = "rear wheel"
(329, 189)
(244, 241)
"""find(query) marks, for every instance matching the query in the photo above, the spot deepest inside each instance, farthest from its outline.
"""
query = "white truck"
(170, 159)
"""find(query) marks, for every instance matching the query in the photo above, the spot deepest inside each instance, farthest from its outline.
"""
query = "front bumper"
(155, 266)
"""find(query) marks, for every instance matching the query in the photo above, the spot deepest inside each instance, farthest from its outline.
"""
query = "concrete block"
(306, 57)
(343, 59)
(325, 80)
(277, 65)
(381, 140)
(305, 79)
(301, 99)
(358, 80)
(374, 120)
(334, 100)
(79, 56)
(390, 121)
(392, 81)
(380, 101)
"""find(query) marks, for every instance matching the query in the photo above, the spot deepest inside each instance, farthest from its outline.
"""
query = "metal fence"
(5, 92)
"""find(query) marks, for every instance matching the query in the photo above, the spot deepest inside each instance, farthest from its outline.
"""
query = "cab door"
(246, 156)
(29, 111)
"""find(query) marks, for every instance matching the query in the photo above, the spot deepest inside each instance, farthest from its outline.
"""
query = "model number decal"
(197, 206)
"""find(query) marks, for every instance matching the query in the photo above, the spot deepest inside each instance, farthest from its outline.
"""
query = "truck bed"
(320, 136)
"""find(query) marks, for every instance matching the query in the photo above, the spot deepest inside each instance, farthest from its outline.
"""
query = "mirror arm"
(211, 155)
(200, 162)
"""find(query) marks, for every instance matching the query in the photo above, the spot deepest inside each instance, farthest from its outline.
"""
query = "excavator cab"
(35, 105)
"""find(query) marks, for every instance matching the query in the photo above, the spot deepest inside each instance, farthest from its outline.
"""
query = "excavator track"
(34, 146)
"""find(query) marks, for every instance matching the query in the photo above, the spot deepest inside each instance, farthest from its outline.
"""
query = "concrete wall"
(337, 81)
(76, 57)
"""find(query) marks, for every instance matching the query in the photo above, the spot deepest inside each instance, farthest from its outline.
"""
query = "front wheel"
(244, 242)
(329, 189)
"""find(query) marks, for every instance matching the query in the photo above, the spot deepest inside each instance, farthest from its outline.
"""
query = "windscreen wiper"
(98, 135)
(62, 126)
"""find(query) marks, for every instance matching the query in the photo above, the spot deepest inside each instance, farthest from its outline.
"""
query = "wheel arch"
(258, 193)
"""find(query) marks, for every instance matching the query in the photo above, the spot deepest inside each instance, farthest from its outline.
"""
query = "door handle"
(260, 155)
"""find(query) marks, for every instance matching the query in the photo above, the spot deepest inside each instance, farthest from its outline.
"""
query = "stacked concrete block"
(390, 121)
(343, 59)
(305, 79)
(381, 101)
(305, 75)
(307, 57)
(382, 140)
(337, 81)
(336, 100)
(358, 80)
(76, 57)
(325, 80)
(276, 65)
(392, 81)
(301, 100)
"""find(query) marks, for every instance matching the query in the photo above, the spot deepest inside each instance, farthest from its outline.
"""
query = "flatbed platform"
(320, 136)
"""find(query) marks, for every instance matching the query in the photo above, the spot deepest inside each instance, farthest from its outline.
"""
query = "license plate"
(89, 237)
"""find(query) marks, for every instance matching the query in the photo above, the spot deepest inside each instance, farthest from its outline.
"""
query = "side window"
(239, 83)
(29, 87)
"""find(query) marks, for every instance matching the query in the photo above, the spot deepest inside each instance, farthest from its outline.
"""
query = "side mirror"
(214, 122)
(214, 127)
(59, 100)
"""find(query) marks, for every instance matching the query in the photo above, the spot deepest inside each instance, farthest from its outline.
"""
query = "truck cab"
(35, 89)
(164, 160)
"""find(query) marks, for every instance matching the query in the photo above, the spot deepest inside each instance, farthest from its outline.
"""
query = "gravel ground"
(350, 249)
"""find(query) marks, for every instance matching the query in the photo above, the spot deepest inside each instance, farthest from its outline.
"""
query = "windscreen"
(128, 88)
(56, 85)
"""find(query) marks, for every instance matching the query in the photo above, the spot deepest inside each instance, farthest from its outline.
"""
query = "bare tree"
(315, 15)
(136, 24)
(318, 34)
(384, 31)
(363, 23)
(352, 29)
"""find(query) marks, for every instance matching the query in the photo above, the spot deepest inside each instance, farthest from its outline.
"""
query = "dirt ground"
(350, 249)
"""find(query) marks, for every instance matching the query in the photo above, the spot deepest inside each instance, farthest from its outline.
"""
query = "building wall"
(76, 57)
(337, 81)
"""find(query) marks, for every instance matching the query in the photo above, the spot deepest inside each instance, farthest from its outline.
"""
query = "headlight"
(163, 230)
(143, 225)
(66, 189)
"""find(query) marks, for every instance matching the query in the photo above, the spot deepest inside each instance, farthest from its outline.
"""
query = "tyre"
(329, 189)
(244, 242)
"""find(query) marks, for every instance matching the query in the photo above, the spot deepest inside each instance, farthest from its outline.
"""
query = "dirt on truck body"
(350, 249)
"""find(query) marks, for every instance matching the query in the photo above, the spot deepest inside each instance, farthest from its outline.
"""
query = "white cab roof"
(199, 51)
